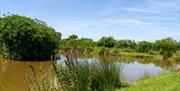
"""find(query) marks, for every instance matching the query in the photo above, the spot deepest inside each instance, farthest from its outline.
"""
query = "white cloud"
(127, 22)
(156, 6)
(140, 10)
(80, 25)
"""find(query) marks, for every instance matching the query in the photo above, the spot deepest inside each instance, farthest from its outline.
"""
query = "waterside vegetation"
(161, 49)
(76, 75)
(25, 38)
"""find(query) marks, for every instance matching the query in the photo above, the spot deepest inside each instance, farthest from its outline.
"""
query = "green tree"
(86, 44)
(166, 47)
(73, 36)
(178, 45)
(143, 46)
(25, 38)
(126, 44)
(106, 42)
(70, 43)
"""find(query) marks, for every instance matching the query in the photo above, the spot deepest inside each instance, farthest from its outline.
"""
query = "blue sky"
(122, 19)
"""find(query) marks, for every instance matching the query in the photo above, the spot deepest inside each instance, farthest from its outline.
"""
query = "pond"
(12, 73)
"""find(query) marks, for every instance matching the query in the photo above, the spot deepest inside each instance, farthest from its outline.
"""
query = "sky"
(123, 19)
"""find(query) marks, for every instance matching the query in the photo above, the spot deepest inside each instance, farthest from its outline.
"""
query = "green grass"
(165, 82)
(136, 55)
(176, 56)
(124, 52)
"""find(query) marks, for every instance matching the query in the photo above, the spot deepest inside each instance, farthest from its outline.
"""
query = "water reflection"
(135, 71)
(12, 73)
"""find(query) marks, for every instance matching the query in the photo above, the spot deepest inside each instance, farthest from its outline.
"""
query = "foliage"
(126, 44)
(176, 56)
(107, 42)
(110, 46)
(83, 44)
(86, 44)
(165, 47)
(178, 45)
(70, 43)
(143, 46)
(103, 51)
(25, 38)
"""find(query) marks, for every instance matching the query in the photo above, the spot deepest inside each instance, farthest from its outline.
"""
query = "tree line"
(165, 47)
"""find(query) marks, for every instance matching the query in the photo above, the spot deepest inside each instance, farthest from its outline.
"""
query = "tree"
(165, 47)
(70, 43)
(25, 38)
(143, 46)
(107, 42)
(86, 44)
(126, 44)
(73, 37)
(178, 45)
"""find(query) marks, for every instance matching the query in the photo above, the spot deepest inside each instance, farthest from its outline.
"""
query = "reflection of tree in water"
(160, 63)
(12, 73)
(108, 58)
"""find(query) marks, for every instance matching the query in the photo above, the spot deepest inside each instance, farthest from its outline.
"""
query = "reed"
(80, 75)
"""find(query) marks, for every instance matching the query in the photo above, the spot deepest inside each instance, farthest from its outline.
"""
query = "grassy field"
(165, 82)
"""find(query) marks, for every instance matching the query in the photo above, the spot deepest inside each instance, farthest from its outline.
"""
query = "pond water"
(12, 73)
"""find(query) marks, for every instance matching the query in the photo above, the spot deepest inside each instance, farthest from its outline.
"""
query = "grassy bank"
(112, 52)
(165, 82)
(123, 53)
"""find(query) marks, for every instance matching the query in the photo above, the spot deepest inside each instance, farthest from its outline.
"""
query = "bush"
(26, 38)
(103, 51)
(106, 42)
(143, 46)
(166, 47)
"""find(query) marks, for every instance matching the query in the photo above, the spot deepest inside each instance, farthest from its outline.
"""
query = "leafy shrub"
(26, 38)
(143, 46)
(166, 47)
(106, 42)
(103, 51)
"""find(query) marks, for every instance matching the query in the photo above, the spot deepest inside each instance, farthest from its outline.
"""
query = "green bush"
(107, 42)
(166, 47)
(176, 56)
(143, 46)
(103, 51)
(26, 38)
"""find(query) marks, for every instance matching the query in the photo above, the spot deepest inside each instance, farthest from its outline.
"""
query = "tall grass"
(106, 76)
(84, 76)
(42, 82)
